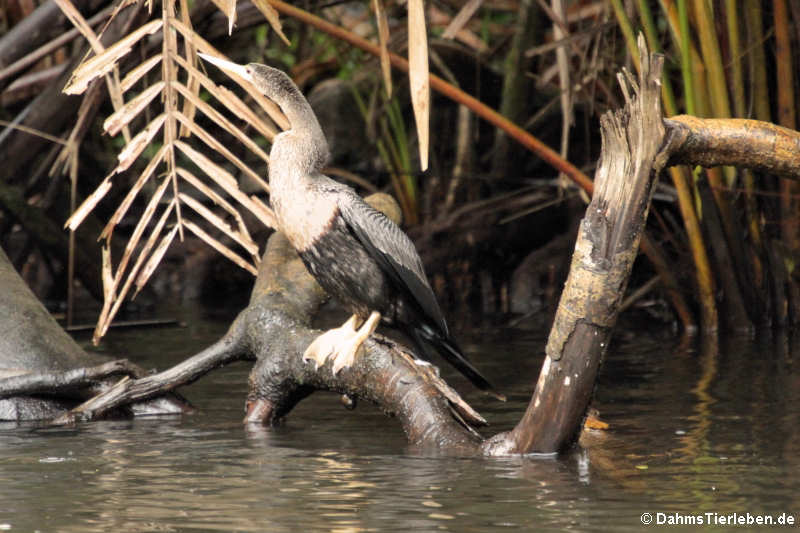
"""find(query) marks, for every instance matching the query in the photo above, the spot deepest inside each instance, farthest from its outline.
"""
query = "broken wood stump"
(608, 242)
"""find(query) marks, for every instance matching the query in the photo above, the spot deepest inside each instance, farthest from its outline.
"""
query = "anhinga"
(355, 253)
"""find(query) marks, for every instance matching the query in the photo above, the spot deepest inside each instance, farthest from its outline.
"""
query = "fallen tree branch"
(50, 382)
(275, 329)
(37, 357)
(128, 390)
(284, 300)
(711, 142)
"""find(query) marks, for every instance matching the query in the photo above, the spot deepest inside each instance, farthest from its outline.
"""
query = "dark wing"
(395, 254)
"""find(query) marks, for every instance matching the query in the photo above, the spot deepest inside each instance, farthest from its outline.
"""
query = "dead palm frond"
(179, 190)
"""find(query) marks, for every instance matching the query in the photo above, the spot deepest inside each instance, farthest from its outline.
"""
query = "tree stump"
(608, 242)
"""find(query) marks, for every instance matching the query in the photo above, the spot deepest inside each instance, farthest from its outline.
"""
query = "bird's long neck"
(296, 157)
(299, 153)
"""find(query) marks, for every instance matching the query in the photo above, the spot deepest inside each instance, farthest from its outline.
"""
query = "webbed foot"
(327, 344)
(341, 344)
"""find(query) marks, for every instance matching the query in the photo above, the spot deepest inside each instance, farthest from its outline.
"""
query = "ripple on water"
(688, 433)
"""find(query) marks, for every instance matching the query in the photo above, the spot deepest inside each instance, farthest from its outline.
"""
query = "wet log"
(431, 414)
(608, 242)
(43, 371)
(128, 390)
(274, 330)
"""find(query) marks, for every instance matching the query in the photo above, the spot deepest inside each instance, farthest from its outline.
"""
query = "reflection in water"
(690, 432)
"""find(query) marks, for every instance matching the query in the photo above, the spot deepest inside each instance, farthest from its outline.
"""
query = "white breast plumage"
(303, 220)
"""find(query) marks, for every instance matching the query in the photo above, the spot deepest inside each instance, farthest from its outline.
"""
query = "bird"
(355, 252)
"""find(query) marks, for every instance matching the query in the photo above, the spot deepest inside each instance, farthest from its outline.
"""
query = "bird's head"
(271, 82)
(278, 87)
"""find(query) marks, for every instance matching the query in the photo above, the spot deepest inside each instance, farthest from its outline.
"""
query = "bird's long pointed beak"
(228, 66)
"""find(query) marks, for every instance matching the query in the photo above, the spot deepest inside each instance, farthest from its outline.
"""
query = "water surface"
(691, 433)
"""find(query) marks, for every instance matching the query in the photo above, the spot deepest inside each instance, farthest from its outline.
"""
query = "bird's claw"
(345, 355)
(341, 350)
(321, 348)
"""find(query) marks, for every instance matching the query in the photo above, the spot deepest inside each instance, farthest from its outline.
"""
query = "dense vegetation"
(493, 219)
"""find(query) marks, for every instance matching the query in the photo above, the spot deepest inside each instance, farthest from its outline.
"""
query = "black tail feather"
(424, 337)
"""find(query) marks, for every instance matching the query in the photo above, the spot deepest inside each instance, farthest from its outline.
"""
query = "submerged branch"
(44, 371)
(128, 390)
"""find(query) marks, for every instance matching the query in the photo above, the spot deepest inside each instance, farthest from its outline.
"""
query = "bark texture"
(739, 142)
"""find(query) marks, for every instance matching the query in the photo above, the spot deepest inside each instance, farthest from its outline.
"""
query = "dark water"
(691, 433)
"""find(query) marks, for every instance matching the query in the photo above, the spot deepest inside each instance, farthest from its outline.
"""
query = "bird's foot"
(327, 344)
(346, 352)
(341, 344)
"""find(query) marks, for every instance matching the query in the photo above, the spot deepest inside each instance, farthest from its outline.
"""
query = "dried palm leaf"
(418, 75)
(103, 63)
(220, 224)
(154, 162)
(136, 74)
(86, 207)
(221, 248)
(133, 149)
(272, 17)
(155, 259)
(178, 90)
(216, 145)
(122, 117)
